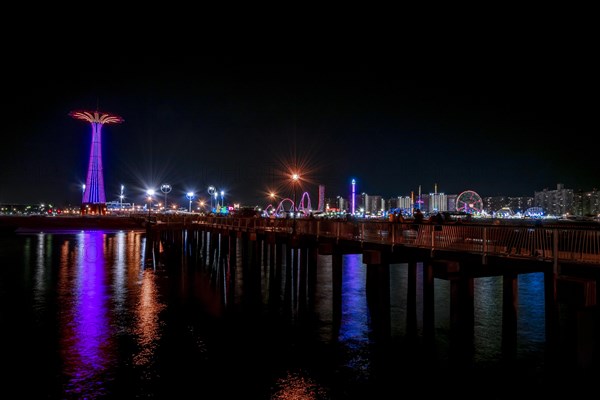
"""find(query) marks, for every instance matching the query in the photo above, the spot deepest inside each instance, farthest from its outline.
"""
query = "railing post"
(432, 241)
(485, 247)
(555, 251)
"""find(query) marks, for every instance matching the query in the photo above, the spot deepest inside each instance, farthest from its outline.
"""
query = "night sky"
(494, 124)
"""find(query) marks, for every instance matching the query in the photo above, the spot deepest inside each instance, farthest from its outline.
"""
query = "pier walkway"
(556, 243)
(568, 255)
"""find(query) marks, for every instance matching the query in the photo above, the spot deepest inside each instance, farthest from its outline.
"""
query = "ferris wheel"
(469, 202)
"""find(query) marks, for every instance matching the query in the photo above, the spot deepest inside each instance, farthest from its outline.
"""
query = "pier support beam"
(378, 293)
(411, 300)
(462, 319)
(428, 303)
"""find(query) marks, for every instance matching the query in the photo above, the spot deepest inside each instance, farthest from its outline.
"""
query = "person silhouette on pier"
(418, 215)
(418, 218)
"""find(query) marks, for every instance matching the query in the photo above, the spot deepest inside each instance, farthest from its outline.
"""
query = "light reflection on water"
(85, 337)
(124, 327)
(103, 294)
(297, 385)
(354, 325)
(147, 328)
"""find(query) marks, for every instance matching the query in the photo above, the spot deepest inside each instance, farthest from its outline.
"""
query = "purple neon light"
(304, 204)
(86, 328)
(94, 184)
(353, 196)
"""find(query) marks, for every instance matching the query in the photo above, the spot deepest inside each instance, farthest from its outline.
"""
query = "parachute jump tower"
(94, 197)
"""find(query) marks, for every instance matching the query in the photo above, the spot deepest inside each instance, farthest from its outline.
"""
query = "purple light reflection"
(355, 323)
(354, 327)
(85, 328)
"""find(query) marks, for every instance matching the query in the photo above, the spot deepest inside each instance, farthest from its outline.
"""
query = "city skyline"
(307, 202)
(244, 128)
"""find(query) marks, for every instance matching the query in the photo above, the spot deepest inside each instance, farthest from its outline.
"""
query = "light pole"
(83, 209)
(121, 196)
(211, 192)
(222, 202)
(272, 196)
(150, 193)
(190, 196)
(166, 189)
(295, 178)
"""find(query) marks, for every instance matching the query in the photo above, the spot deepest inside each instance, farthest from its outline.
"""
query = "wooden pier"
(567, 255)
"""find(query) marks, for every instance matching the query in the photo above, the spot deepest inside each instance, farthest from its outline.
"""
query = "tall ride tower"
(94, 197)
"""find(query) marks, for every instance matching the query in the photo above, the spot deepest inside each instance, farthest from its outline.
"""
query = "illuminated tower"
(353, 196)
(94, 197)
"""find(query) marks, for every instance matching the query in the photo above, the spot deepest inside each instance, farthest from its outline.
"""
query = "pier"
(568, 255)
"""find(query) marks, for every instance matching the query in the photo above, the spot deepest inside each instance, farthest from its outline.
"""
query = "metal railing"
(569, 243)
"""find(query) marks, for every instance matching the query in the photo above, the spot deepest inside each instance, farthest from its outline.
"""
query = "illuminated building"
(321, 206)
(438, 202)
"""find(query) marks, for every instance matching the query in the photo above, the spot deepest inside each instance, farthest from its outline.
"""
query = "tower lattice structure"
(94, 196)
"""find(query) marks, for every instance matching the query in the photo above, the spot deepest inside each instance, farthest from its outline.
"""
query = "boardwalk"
(555, 243)
(567, 254)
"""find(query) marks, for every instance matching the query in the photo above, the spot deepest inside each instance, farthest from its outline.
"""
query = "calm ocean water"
(98, 315)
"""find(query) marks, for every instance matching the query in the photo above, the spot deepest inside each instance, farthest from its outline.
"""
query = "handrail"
(545, 242)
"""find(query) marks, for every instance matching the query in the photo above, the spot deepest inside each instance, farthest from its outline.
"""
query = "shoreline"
(39, 222)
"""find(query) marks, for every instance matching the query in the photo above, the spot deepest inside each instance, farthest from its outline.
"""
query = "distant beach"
(40, 222)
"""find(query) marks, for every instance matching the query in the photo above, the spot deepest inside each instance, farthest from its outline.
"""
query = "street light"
(150, 193)
(121, 196)
(190, 196)
(273, 199)
(295, 178)
(166, 189)
(222, 202)
(211, 192)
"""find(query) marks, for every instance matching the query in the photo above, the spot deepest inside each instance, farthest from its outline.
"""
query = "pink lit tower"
(94, 197)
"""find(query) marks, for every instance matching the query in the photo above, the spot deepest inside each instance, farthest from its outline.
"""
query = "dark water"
(93, 315)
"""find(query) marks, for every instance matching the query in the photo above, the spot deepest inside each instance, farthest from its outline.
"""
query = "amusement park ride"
(469, 202)
(286, 206)
(94, 197)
